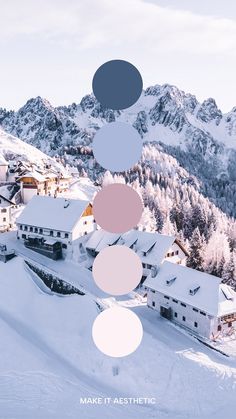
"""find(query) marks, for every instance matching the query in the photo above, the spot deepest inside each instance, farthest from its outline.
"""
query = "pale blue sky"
(52, 48)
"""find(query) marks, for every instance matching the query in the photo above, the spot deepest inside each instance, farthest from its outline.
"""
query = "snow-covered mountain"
(160, 112)
(198, 135)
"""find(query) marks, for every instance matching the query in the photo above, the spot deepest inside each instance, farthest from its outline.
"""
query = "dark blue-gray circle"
(117, 84)
(117, 146)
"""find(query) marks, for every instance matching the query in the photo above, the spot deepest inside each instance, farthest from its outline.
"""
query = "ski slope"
(48, 361)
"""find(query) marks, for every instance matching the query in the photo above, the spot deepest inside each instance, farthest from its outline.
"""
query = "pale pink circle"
(117, 208)
(117, 270)
(117, 332)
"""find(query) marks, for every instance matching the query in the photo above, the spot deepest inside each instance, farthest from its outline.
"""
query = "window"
(85, 233)
(168, 255)
(85, 222)
(176, 315)
(229, 324)
(175, 301)
(23, 236)
(202, 312)
(94, 221)
(36, 230)
(195, 324)
(4, 219)
(20, 227)
(31, 228)
(64, 246)
(58, 234)
(4, 210)
(195, 309)
(149, 266)
(183, 318)
(172, 253)
(176, 252)
(144, 265)
(219, 328)
(25, 228)
(153, 291)
(153, 304)
(51, 233)
(41, 231)
(66, 235)
(165, 296)
(182, 304)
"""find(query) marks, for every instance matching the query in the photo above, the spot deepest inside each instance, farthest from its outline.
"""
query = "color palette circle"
(117, 84)
(117, 332)
(117, 270)
(117, 208)
(117, 146)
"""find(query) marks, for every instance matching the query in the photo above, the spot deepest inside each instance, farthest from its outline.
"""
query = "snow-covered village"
(186, 298)
(182, 364)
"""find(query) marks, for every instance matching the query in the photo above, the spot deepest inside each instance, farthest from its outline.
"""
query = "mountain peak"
(38, 103)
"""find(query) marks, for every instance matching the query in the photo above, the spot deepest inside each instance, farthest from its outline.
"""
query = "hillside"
(48, 361)
(12, 148)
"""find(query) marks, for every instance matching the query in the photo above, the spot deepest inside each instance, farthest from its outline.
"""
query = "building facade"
(3, 169)
(58, 219)
(194, 300)
(35, 183)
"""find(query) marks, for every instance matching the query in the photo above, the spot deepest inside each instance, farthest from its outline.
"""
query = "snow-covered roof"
(52, 213)
(198, 289)
(6, 200)
(51, 175)
(81, 188)
(150, 247)
(3, 161)
(101, 239)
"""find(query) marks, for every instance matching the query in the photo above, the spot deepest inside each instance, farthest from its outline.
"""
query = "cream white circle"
(117, 332)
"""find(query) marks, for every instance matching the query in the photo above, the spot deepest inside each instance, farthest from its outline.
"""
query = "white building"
(48, 183)
(196, 300)
(152, 248)
(5, 213)
(3, 169)
(5, 218)
(60, 219)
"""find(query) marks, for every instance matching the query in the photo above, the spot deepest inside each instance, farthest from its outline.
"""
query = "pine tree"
(147, 222)
(221, 267)
(229, 272)
(196, 250)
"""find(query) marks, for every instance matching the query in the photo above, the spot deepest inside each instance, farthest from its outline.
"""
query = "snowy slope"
(12, 148)
(48, 361)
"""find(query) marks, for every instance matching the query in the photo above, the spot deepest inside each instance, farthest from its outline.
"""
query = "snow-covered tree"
(147, 222)
(196, 250)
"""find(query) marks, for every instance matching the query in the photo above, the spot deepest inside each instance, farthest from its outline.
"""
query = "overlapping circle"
(117, 208)
(117, 146)
(117, 84)
(117, 270)
(117, 332)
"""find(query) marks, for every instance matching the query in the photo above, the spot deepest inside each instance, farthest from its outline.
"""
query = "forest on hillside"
(174, 204)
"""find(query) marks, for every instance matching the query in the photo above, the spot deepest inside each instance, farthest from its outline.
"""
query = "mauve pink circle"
(117, 208)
